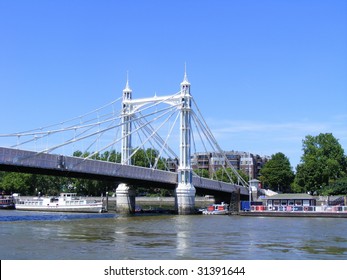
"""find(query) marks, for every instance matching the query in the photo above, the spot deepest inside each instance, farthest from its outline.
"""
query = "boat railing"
(299, 208)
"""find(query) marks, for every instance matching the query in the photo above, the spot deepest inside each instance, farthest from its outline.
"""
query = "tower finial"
(185, 78)
(127, 87)
(185, 72)
(127, 84)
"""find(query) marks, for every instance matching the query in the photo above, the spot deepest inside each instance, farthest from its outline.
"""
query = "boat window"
(291, 202)
(276, 202)
(283, 202)
(306, 202)
(298, 202)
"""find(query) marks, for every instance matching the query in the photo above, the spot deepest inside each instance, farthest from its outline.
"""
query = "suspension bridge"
(158, 122)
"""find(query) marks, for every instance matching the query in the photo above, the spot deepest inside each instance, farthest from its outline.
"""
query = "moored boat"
(216, 209)
(7, 202)
(66, 202)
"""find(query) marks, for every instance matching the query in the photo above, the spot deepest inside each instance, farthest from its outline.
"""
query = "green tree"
(224, 174)
(277, 173)
(202, 173)
(13, 182)
(339, 187)
(322, 163)
(148, 158)
(111, 156)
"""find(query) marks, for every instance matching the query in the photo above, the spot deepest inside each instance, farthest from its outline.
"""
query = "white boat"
(66, 202)
(216, 209)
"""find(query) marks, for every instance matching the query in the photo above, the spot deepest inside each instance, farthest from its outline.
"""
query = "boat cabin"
(68, 196)
(290, 201)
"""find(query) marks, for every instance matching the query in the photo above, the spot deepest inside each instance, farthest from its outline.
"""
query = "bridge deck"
(52, 164)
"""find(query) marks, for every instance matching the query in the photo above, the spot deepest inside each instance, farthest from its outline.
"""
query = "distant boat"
(216, 209)
(66, 202)
(7, 202)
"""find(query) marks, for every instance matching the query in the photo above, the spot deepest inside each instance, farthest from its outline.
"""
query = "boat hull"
(7, 203)
(222, 212)
(8, 206)
(97, 208)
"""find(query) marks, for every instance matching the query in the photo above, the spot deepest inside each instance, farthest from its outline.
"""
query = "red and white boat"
(216, 209)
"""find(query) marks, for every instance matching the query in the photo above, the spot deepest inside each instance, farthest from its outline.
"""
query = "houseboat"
(7, 202)
(294, 205)
(216, 209)
(66, 202)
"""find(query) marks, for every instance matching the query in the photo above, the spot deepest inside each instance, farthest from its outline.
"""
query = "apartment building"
(247, 162)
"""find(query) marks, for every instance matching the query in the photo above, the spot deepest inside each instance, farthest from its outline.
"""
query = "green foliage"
(277, 174)
(202, 173)
(31, 184)
(322, 163)
(12, 182)
(339, 187)
(224, 175)
(148, 158)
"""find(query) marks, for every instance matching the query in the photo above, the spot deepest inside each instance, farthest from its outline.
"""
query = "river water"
(54, 236)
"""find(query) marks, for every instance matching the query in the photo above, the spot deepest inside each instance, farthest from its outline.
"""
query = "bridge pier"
(125, 199)
(185, 199)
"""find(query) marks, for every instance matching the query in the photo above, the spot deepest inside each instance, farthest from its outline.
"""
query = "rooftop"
(290, 196)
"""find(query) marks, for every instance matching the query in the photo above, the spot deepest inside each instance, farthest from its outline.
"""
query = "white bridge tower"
(185, 191)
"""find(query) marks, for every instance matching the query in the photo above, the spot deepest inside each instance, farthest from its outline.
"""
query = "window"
(306, 202)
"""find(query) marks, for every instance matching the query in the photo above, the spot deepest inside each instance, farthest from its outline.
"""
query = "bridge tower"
(125, 193)
(185, 191)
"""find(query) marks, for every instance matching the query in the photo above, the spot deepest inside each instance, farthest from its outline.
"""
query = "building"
(250, 164)
(289, 202)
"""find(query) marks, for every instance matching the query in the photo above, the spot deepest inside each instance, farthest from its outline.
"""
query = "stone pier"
(185, 199)
(125, 197)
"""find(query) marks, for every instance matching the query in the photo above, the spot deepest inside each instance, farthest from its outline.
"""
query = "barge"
(293, 205)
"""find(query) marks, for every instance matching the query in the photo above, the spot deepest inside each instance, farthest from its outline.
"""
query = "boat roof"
(290, 196)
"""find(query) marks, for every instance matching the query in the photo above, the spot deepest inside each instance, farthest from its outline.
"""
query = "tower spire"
(127, 88)
(185, 78)
(127, 92)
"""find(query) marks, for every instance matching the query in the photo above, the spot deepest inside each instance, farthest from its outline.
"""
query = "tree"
(277, 173)
(339, 187)
(223, 175)
(13, 182)
(202, 173)
(322, 163)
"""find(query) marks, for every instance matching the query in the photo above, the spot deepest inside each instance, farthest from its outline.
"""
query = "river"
(55, 236)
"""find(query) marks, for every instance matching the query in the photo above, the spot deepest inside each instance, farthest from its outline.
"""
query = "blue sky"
(264, 73)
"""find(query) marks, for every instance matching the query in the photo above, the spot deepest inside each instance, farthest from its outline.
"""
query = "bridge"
(134, 113)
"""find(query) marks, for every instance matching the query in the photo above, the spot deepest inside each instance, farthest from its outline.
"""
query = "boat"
(66, 202)
(294, 205)
(216, 209)
(7, 202)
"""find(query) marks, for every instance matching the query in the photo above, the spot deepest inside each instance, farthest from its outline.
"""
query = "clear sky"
(264, 73)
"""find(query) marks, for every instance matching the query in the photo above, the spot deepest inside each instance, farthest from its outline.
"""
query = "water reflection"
(182, 228)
